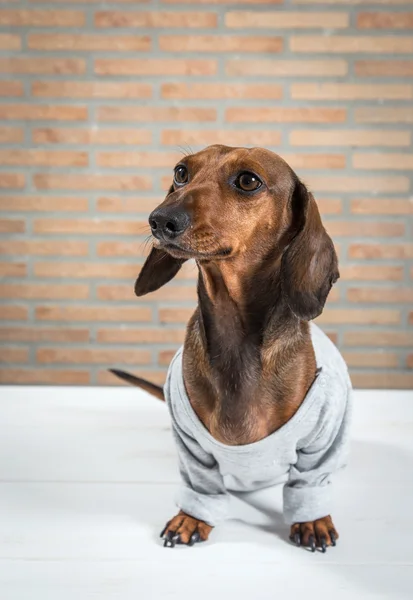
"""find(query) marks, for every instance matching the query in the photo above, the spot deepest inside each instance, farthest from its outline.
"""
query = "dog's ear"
(309, 264)
(159, 268)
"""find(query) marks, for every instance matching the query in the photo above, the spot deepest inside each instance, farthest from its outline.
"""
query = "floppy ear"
(159, 268)
(309, 264)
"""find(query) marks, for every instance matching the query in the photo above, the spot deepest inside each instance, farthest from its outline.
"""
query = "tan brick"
(329, 206)
(372, 359)
(43, 181)
(12, 180)
(351, 2)
(315, 161)
(41, 18)
(125, 292)
(137, 159)
(380, 114)
(95, 356)
(165, 356)
(378, 251)
(11, 88)
(10, 312)
(120, 314)
(44, 247)
(42, 334)
(91, 89)
(12, 226)
(350, 91)
(378, 339)
(85, 270)
(127, 205)
(12, 269)
(183, 20)
(383, 68)
(355, 137)
(44, 376)
(11, 135)
(336, 44)
(156, 113)
(371, 273)
(29, 65)
(14, 355)
(90, 226)
(409, 361)
(43, 158)
(88, 41)
(141, 336)
(382, 380)
(155, 66)
(158, 377)
(365, 228)
(385, 20)
(39, 112)
(336, 316)
(264, 114)
(290, 20)
(378, 184)
(223, 1)
(386, 295)
(175, 315)
(286, 68)
(411, 317)
(214, 91)
(44, 291)
(10, 41)
(219, 43)
(113, 249)
(394, 161)
(43, 203)
(92, 1)
(52, 135)
(200, 137)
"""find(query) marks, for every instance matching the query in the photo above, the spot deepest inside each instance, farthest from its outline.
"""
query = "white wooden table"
(87, 481)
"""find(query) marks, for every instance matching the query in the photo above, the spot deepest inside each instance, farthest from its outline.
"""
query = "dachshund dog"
(258, 395)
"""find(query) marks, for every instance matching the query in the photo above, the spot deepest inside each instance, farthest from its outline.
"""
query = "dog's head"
(224, 202)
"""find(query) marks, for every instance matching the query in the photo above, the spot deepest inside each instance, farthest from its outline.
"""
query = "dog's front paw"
(184, 529)
(315, 534)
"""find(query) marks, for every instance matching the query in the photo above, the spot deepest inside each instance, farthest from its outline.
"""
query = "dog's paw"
(315, 534)
(184, 529)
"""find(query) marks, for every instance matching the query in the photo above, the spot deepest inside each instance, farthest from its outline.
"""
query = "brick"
(336, 44)
(219, 43)
(381, 206)
(41, 18)
(153, 114)
(350, 91)
(329, 206)
(380, 295)
(114, 249)
(11, 88)
(13, 313)
(378, 251)
(264, 114)
(371, 273)
(10, 41)
(409, 361)
(165, 356)
(43, 181)
(384, 68)
(12, 180)
(372, 359)
(44, 248)
(44, 376)
(141, 336)
(201, 137)
(214, 91)
(155, 66)
(92, 356)
(365, 228)
(90, 226)
(175, 315)
(384, 20)
(12, 226)
(91, 89)
(120, 314)
(315, 161)
(43, 158)
(11, 135)
(12, 269)
(30, 65)
(378, 184)
(394, 161)
(44, 291)
(290, 20)
(43, 203)
(91, 1)
(39, 112)
(85, 270)
(125, 292)
(14, 355)
(42, 334)
(380, 114)
(104, 137)
(158, 377)
(183, 20)
(286, 68)
(336, 316)
(382, 380)
(88, 42)
(355, 137)
(378, 339)
(223, 1)
(352, 2)
(137, 159)
(127, 205)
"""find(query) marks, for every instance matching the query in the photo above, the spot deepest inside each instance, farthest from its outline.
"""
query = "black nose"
(168, 224)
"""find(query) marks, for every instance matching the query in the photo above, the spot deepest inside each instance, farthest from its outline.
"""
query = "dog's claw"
(332, 538)
(169, 540)
(323, 544)
(195, 537)
(311, 543)
(297, 539)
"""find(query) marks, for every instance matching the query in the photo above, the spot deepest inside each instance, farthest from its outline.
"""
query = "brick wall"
(96, 100)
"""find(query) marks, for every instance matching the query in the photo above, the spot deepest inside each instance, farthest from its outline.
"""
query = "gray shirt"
(302, 454)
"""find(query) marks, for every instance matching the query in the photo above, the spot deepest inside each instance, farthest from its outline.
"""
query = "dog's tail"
(152, 388)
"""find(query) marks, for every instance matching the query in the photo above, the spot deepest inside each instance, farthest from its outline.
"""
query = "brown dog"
(266, 266)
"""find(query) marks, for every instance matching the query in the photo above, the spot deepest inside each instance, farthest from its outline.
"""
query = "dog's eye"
(248, 182)
(181, 175)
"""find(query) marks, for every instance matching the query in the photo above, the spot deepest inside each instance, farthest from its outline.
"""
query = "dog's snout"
(168, 224)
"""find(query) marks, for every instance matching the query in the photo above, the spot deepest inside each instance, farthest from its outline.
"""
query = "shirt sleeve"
(307, 493)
